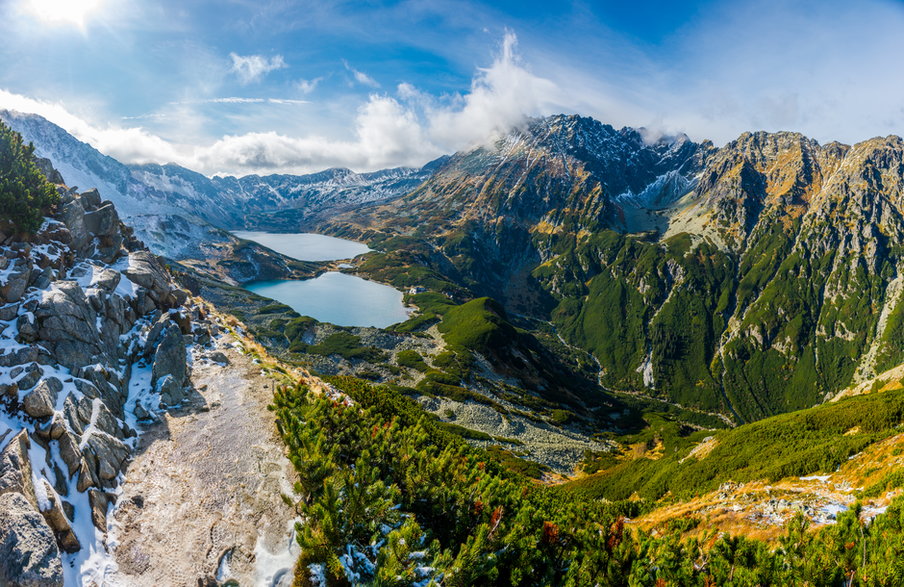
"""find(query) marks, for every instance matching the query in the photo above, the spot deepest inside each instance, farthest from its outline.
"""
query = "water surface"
(337, 298)
(306, 246)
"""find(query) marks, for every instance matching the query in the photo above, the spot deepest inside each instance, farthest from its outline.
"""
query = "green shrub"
(412, 360)
(25, 194)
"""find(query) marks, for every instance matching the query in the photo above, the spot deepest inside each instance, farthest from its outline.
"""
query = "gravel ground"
(201, 499)
(556, 448)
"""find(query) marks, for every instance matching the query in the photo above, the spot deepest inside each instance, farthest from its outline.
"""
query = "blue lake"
(337, 298)
(306, 246)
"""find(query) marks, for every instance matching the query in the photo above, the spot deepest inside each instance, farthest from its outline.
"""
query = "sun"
(63, 11)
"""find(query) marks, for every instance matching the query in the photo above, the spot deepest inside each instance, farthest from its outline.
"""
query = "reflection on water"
(337, 298)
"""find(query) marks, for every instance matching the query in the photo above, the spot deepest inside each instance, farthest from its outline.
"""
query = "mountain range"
(750, 279)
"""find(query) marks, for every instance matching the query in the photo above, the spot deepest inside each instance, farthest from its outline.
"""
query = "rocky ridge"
(93, 341)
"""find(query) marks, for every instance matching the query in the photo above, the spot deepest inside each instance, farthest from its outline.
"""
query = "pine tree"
(25, 194)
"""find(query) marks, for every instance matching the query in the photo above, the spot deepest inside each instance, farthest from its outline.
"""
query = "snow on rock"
(78, 320)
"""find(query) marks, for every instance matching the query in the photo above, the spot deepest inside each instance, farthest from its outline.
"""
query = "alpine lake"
(334, 297)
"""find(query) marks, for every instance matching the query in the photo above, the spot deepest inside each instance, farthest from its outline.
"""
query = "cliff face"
(93, 340)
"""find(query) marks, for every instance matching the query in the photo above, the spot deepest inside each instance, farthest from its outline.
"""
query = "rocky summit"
(93, 338)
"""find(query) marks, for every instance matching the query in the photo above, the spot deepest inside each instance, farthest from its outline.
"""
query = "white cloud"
(251, 68)
(409, 129)
(307, 86)
(361, 77)
(739, 69)
(238, 100)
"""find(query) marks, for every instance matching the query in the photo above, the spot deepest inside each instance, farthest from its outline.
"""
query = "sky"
(277, 86)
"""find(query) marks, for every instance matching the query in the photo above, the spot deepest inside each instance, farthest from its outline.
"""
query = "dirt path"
(202, 498)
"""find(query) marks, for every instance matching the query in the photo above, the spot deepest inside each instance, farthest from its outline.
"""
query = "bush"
(412, 360)
(25, 194)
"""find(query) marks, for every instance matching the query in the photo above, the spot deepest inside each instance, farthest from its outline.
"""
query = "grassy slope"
(800, 443)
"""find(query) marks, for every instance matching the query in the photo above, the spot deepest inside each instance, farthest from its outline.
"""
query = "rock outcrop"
(93, 339)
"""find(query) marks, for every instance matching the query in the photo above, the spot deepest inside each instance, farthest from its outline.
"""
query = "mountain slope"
(763, 279)
(184, 215)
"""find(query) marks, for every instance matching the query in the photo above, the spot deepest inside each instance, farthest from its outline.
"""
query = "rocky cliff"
(93, 341)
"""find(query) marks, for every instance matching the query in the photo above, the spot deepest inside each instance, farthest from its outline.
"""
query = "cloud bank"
(829, 71)
(405, 128)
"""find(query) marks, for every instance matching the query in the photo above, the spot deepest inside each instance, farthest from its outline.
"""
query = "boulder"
(89, 200)
(103, 221)
(105, 455)
(9, 311)
(15, 468)
(16, 282)
(28, 330)
(40, 402)
(70, 453)
(58, 522)
(28, 376)
(67, 321)
(29, 556)
(47, 168)
(72, 214)
(100, 501)
(145, 270)
(18, 356)
(169, 357)
(218, 357)
(171, 393)
(107, 280)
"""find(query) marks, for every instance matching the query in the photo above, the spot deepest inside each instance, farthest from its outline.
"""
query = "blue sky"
(263, 86)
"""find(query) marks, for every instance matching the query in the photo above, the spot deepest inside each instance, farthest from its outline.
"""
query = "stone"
(145, 270)
(58, 522)
(31, 374)
(86, 478)
(108, 279)
(89, 200)
(218, 357)
(42, 279)
(15, 468)
(100, 501)
(9, 311)
(72, 214)
(103, 221)
(18, 356)
(9, 392)
(169, 357)
(67, 321)
(171, 393)
(47, 168)
(41, 401)
(105, 455)
(29, 555)
(28, 330)
(69, 452)
(16, 282)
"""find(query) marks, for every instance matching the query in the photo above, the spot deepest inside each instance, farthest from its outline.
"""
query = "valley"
(596, 343)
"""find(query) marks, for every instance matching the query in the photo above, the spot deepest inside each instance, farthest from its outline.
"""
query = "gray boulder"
(67, 321)
(16, 282)
(145, 270)
(169, 357)
(28, 330)
(29, 556)
(89, 200)
(58, 522)
(103, 222)
(28, 376)
(15, 468)
(72, 214)
(105, 456)
(40, 402)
